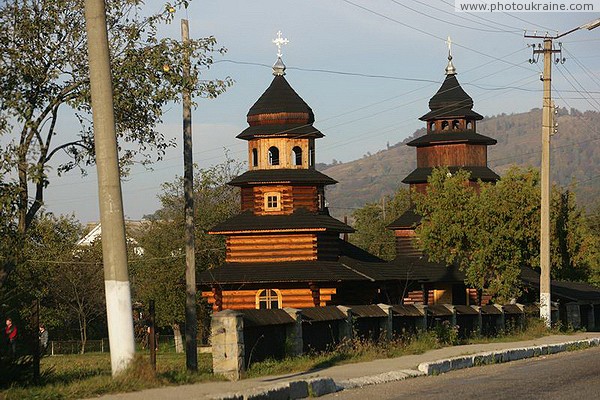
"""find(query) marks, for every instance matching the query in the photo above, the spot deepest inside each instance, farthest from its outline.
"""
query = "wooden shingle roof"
(278, 176)
(420, 175)
(280, 97)
(299, 221)
(451, 138)
(451, 101)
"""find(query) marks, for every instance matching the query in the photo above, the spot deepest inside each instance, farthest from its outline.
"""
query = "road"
(572, 375)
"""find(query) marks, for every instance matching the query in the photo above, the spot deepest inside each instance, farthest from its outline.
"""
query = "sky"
(366, 68)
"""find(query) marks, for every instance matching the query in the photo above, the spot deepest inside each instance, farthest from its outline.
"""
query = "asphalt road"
(571, 375)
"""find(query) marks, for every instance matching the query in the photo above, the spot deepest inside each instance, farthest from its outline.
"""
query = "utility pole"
(114, 250)
(547, 49)
(191, 321)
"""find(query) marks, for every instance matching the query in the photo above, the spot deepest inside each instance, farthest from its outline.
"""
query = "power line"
(430, 34)
(451, 23)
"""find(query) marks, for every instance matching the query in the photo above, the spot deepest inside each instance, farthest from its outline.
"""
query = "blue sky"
(366, 68)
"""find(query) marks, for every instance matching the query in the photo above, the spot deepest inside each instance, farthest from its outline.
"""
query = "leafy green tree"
(488, 232)
(160, 273)
(371, 220)
(44, 81)
(492, 231)
(66, 278)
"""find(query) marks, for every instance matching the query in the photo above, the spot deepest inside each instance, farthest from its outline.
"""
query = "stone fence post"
(388, 323)
(422, 308)
(293, 333)
(227, 338)
(346, 329)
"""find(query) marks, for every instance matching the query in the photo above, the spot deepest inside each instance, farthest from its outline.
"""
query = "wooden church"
(451, 141)
(284, 249)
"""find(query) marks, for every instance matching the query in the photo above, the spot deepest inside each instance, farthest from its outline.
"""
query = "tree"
(66, 278)
(371, 220)
(160, 273)
(44, 79)
(492, 231)
(488, 232)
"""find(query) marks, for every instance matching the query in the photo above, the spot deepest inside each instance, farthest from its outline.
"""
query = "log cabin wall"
(280, 118)
(459, 155)
(405, 243)
(328, 246)
(292, 198)
(284, 146)
(271, 248)
(247, 299)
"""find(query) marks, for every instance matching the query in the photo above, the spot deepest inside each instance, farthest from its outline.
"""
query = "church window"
(445, 125)
(272, 201)
(297, 155)
(432, 126)
(273, 155)
(268, 299)
(254, 157)
(469, 125)
(455, 125)
(311, 156)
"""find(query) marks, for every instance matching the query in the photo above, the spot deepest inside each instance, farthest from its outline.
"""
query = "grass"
(88, 375)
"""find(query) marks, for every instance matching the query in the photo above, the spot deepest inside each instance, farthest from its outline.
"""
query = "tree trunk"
(177, 337)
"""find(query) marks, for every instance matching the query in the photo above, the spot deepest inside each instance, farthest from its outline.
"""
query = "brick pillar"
(227, 338)
(388, 323)
(293, 333)
(346, 328)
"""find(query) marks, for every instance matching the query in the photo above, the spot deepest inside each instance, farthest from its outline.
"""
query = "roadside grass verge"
(89, 375)
(359, 350)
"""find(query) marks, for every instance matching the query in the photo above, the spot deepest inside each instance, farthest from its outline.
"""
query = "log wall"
(247, 299)
(459, 155)
(405, 243)
(292, 198)
(285, 146)
(271, 248)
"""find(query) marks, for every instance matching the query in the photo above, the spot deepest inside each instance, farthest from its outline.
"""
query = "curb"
(316, 387)
(495, 357)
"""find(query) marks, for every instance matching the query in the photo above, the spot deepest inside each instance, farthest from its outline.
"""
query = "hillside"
(575, 157)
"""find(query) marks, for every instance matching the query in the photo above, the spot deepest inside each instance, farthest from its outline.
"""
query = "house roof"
(262, 176)
(281, 130)
(280, 97)
(572, 291)
(420, 175)
(300, 220)
(409, 219)
(451, 138)
(451, 101)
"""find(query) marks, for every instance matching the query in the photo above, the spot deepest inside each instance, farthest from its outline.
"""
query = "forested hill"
(575, 157)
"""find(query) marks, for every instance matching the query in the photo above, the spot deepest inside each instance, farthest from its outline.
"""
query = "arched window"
(297, 156)
(432, 126)
(254, 157)
(445, 125)
(455, 125)
(268, 299)
(469, 125)
(273, 155)
(311, 156)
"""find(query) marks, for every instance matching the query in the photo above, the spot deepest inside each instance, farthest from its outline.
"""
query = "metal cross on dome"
(280, 42)
(449, 42)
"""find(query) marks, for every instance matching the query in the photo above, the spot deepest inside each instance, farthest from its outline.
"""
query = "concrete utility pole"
(547, 130)
(191, 320)
(114, 250)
